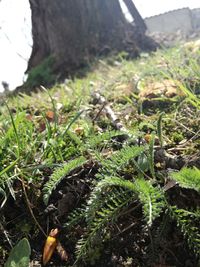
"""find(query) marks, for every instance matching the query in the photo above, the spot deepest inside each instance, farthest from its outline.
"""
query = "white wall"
(171, 21)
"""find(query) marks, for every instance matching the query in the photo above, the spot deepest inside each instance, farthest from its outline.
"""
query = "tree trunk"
(139, 22)
(73, 31)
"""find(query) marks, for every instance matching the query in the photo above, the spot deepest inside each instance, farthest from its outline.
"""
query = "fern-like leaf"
(189, 225)
(101, 192)
(109, 211)
(188, 178)
(108, 198)
(151, 197)
(75, 217)
(101, 140)
(121, 159)
(59, 174)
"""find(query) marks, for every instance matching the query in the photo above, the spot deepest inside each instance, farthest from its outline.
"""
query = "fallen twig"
(109, 112)
(6, 235)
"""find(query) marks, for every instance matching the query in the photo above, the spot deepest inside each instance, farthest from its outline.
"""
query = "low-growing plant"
(112, 194)
(41, 74)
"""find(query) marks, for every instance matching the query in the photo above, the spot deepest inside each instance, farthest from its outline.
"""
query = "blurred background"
(16, 40)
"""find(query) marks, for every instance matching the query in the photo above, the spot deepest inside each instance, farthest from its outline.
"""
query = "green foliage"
(120, 159)
(59, 174)
(41, 74)
(152, 199)
(189, 224)
(177, 137)
(75, 217)
(100, 209)
(159, 128)
(191, 97)
(151, 156)
(19, 255)
(184, 75)
(188, 178)
(101, 140)
(158, 235)
(98, 195)
(110, 196)
(16, 142)
(108, 210)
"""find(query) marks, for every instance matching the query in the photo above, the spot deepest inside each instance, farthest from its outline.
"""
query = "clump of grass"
(41, 75)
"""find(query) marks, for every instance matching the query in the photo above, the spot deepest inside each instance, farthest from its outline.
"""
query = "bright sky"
(15, 33)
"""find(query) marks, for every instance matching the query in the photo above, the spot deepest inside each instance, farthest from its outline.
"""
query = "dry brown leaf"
(50, 115)
(168, 88)
(62, 252)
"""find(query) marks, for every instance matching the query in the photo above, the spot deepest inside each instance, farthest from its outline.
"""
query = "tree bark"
(74, 31)
(139, 22)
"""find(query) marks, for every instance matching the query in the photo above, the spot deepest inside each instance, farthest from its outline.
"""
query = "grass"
(44, 134)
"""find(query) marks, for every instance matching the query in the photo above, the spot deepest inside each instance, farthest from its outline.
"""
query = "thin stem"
(29, 207)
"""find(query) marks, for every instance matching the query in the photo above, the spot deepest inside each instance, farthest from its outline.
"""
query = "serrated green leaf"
(59, 174)
(188, 178)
